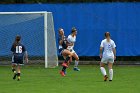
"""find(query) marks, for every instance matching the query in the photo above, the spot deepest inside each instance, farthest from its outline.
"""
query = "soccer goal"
(37, 34)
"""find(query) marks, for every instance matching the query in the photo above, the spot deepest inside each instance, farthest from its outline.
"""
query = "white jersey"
(108, 48)
(71, 39)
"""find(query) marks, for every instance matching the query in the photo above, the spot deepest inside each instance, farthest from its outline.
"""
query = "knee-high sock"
(64, 68)
(103, 71)
(110, 74)
(14, 70)
(76, 63)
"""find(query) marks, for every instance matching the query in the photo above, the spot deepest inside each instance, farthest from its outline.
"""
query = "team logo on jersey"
(109, 45)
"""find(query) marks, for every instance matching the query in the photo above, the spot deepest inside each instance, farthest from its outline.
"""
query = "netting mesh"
(31, 29)
(52, 49)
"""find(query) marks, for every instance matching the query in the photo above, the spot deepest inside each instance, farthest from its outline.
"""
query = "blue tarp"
(92, 20)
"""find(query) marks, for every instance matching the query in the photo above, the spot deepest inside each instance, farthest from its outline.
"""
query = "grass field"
(37, 79)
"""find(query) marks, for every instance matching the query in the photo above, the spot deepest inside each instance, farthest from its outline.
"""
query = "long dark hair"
(73, 29)
(107, 34)
(17, 40)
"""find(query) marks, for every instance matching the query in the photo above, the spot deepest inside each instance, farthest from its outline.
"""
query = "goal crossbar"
(40, 12)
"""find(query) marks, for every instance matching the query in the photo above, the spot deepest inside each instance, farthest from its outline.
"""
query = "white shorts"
(71, 50)
(106, 60)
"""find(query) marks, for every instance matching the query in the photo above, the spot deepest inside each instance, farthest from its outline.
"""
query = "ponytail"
(17, 40)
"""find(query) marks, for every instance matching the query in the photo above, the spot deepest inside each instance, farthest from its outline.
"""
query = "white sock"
(110, 74)
(103, 70)
(76, 63)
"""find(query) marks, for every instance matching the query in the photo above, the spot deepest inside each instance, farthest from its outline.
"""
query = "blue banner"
(92, 20)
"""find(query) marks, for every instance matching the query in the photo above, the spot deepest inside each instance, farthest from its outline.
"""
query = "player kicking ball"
(19, 52)
(107, 47)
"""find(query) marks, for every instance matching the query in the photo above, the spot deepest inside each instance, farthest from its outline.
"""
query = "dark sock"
(67, 59)
(13, 70)
(64, 68)
(14, 76)
(18, 74)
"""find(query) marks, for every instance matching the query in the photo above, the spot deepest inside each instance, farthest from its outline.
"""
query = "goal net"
(37, 34)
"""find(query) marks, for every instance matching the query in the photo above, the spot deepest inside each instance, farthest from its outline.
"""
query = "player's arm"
(12, 48)
(114, 51)
(26, 56)
(101, 51)
(12, 53)
(61, 40)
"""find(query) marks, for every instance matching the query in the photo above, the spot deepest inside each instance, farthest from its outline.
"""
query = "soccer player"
(63, 51)
(71, 40)
(19, 53)
(109, 55)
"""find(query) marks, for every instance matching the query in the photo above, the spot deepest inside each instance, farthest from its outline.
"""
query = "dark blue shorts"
(61, 50)
(17, 60)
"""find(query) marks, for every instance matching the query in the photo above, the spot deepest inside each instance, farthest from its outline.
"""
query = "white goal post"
(31, 23)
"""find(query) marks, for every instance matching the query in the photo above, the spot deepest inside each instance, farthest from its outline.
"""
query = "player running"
(63, 51)
(19, 52)
(71, 40)
(108, 57)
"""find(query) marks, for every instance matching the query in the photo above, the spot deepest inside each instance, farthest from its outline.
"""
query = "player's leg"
(19, 64)
(14, 67)
(67, 55)
(18, 72)
(68, 63)
(70, 60)
(64, 68)
(76, 61)
(110, 65)
(14, 71)
(102, 68)
(62, 72)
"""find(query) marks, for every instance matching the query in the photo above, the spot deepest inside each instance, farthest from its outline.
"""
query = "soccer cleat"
(105, 78)
(76, 69)
(110, 80)
(65, 64)
(14, 77)
(62, 73)
(65, 72)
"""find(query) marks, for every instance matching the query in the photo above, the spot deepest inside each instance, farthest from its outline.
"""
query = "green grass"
(37, 79)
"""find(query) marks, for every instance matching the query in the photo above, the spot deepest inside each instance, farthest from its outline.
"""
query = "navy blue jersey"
(18, 50)
(64, 43)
